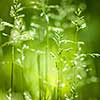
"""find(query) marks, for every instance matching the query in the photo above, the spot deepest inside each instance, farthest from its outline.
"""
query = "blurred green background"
(90, 35)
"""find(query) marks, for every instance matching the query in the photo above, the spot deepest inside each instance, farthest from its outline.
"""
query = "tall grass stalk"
(46, 66)
(12, 70)
(39, 76)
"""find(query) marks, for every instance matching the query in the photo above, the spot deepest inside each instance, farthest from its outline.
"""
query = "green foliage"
(44, 63)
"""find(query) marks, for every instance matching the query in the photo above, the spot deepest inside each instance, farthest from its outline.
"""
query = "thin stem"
(60, 80)
(46, 59)
(74, 68)
(39, 74)
(39, 70)
(76, 35)
(12, 69)
(46, 63)
(58, 90)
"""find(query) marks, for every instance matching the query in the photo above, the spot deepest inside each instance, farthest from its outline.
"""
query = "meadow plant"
(50, 59)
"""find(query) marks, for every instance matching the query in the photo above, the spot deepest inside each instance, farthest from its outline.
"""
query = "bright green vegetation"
(44, 59)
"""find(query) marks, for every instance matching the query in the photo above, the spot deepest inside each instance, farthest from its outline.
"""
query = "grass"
(52, 64)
